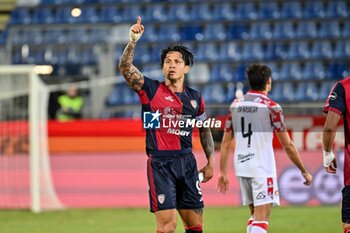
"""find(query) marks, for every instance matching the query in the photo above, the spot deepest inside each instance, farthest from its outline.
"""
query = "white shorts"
(259, 190)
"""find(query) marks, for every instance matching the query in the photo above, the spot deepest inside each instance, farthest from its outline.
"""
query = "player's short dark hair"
(187, 56)
(258, 75)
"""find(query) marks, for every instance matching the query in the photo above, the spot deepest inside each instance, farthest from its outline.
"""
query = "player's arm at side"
(207, 142)
(132, 75)
(293, 154)
(328, 135)
(223, 181)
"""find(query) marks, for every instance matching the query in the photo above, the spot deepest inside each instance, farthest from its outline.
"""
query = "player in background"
(336, 107)
(171, 166)
(250, 124)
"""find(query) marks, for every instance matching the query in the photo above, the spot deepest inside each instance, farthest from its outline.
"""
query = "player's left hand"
(329, 162)
(308, 178)
(208, 172)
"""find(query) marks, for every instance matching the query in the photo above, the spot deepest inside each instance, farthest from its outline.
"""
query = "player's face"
(174, 67)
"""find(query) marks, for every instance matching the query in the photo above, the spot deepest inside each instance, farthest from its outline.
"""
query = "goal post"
(27, 181)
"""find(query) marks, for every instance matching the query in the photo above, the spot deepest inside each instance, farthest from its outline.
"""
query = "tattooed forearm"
(207, 142)
(131, 74)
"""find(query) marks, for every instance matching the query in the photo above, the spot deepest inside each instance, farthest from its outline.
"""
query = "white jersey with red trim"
(253, 119)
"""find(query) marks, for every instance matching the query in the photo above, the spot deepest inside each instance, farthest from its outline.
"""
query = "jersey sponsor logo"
(170, 98)
(161, 198)
(194, 103)
(260, 196)
(332, 96)
(244, 158)
(151, 120)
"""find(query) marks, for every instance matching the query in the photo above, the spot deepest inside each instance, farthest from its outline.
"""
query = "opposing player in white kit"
(251, 122)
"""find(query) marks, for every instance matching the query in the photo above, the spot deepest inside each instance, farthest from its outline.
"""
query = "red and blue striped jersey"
(338, 101)
(173, 114)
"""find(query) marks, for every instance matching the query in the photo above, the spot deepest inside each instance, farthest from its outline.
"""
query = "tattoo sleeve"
(207, 142)
(132, 75)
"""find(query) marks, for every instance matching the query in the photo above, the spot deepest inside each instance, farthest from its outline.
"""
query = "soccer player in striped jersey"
(251, 122)
(336, 107)
(171, 168)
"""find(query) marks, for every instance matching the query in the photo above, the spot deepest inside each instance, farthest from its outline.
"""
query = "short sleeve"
(228, 124)
(148, 90)
(336, 100)
(201, 116)
(277, 118)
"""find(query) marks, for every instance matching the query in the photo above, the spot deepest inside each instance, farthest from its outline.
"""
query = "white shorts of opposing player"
(259, 190)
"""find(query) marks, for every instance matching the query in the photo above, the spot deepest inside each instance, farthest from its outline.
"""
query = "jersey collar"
(256, 93)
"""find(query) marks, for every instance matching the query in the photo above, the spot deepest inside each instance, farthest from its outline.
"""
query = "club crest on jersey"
(194, 103)
(161, 198)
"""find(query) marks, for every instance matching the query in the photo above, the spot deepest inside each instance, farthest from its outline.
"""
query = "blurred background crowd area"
(306, 44)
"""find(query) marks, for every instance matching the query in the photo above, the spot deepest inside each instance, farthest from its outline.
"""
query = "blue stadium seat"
(88, 57)
(239, 73)
(312, 93)
(34, 36)
(214, 93)
(238, 31)
(169, 33)
(314, 9)
(207, 52)
(223, 11)
(156, 12)
(285, 72)
(296, 71)
(261, 31)
(324, 90)
(221, 72)
(179, 12)
(62, 57)
(276, 92)
(130, 13)
(231, 93)
(346, 30)
(269, 10)
(314, 71)
(111, 14)
(283, 30)
(300, 92)
(306, 29)
(43, 15)
(201, 12)
(246, 10)
(89, 14)
(230, 51)
(63, 15)
(21, 15)
(114, 97)
(321, 49)
(270, 51)
(288, 92)
(275, 72)
(337, 71)
(291, 10)
(17, 37)
(192, 33)
(340, 49)
(152, 33)
(55, 36)
(329, 29)
(214, 31)
(99, 35)
(142, 54)
(281, 50)
(79, 35)
(337, 9)
(299, 50)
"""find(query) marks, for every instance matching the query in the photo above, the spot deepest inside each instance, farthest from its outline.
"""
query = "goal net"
(25, 177)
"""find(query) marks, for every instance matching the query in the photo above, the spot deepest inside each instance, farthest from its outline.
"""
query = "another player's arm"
(208, 147)
(293, 154)
(132, 75)
(223, 181)
(328, 135)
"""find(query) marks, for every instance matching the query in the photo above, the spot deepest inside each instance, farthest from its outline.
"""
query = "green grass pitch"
(289, 219)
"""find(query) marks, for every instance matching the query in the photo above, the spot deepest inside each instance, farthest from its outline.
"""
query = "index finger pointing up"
(138, 20)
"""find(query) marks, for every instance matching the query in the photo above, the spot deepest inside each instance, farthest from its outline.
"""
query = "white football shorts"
(259, 190)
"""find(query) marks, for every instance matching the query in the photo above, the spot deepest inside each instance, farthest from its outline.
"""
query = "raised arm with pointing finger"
(131, 74)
